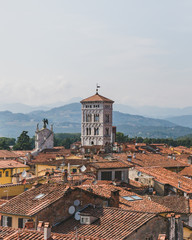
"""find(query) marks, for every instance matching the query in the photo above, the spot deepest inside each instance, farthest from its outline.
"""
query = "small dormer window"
(85, 220)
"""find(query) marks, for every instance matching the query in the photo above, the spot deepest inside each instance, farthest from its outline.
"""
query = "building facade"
(44, 138)
(96, 126)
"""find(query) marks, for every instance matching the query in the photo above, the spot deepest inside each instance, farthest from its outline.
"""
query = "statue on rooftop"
(45, 122)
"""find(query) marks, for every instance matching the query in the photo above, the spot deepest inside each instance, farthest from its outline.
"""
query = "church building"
(96, 126)
(44, 138)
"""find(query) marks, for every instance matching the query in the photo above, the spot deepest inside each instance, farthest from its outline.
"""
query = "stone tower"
(44, 138)
(96, 126)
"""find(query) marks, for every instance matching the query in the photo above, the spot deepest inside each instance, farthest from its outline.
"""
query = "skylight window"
(128, 198)
(136, 197)
(132, 198)
(41, 195)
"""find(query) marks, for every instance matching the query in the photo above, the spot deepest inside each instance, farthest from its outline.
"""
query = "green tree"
(121, 138)
(23, 142)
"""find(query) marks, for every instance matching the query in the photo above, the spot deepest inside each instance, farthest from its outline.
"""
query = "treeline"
(66, 139)
(24, 142)
(182, 141)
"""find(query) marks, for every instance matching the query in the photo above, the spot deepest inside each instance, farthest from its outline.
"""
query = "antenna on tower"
(97, 88)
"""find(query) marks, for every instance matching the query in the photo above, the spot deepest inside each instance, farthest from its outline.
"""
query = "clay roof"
(165, 176)
(7, 154)
(177, 204)
(97, 98)
(112, 223)
(149, 159)
(11, 164)
(143, 204)
(8, 233)
(34, 200)
(110, 164)
(187, 171)
(21, 153)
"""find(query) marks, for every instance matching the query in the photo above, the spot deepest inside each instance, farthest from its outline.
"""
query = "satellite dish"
(71, 209)
(24, 174)
(77, 216)
(139, 174)
(83, 168)
(76, 202)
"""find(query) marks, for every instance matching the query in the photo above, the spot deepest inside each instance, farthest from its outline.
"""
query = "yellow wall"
(13, 190)
(8, 179)
(187, 233)
(15, 219)
(42, 169)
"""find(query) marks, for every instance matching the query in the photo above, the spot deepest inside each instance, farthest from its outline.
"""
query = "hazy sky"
(139, 51)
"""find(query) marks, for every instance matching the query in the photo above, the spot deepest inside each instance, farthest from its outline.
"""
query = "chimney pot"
(47, 231)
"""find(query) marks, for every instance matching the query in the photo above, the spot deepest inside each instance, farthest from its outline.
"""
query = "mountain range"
(67, 119)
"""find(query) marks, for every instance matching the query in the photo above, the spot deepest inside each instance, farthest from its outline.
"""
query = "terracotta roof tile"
(143, 205)
(177, 204)
(110, 164)
(34, 200)
(187, 171)
(147, 160)
(112, 223)
(11, 164)
(97, 98)
(7, 154)
(8, 233)
(168, 177)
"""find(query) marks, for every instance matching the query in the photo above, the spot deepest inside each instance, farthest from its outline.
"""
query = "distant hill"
(67, 119)
(185, 120)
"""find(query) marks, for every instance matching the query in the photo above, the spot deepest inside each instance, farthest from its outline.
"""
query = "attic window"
(39, 196)
(85, 220)
(132, 198)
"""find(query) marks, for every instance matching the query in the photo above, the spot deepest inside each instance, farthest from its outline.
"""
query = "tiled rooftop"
(148, 160)
(7, 233)
(112, 223)
(96, 98)
(110, 164)
(168, 177)
(177, 204)
(34, 200)
(7, 154)
(11, 164)
(142, 205)
(187, 171)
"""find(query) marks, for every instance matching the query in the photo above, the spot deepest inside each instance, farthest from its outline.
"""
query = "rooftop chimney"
(115, 198)
(129, 158)
(47, 231)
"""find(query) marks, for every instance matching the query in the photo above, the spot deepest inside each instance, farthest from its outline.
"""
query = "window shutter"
(9, 221)
(20, 222)
(1, 220)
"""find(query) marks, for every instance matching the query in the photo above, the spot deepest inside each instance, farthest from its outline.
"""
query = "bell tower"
(96, 122)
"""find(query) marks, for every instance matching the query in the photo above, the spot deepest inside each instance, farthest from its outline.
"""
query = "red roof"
(112, 223)
(97, 98)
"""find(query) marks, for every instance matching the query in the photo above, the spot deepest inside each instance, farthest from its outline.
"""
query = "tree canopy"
(23, 142)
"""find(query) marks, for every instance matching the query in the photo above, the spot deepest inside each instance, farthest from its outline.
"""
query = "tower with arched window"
(96, 124)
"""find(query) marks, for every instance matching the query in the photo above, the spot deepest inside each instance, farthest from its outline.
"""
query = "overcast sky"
(139, 51)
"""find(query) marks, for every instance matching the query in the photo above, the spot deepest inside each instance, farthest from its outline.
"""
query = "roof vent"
(129, 158)
(87, 219)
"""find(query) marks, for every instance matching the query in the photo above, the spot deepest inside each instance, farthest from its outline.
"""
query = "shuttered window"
(6, 221)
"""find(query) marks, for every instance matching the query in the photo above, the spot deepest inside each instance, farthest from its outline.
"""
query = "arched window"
(96, 117)
(88, 118)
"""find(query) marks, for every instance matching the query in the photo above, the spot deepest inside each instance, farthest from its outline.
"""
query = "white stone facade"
(44, 139)
(96, 123)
